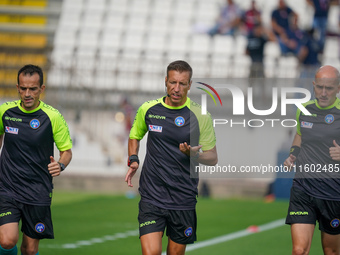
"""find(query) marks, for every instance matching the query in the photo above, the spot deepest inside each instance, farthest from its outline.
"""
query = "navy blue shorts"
(306, 209)
(180, 224)
(36, 220)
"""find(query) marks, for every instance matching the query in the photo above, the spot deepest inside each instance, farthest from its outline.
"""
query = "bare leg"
(302, 235)
(29, 245)
(9, 235)
(152, 243)
(175, 248)
(330, 244)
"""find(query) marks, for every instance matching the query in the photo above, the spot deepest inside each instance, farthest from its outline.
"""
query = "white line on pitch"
(95, 240)
(235, 235)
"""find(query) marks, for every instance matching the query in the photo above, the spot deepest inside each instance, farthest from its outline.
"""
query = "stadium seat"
(95, 6)
(270, 66)
(110, 40)
(200, 44)
(133, 45)
(152, 82)
(220, 67)
(272, 49)
(178, 45)
(241, 66)
(136, 24)
(139, 7)
(155, 45)
(158, 25)
(92, 20)
(288, 67)
(331, 49)
(223, 46)
(75, 5)
(162, 8)
(104, 78)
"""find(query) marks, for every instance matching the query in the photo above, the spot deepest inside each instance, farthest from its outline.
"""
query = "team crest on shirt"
(188, 232)
(155, 128)
(329, 119)
(335, 223)
(11, 130)
(39, 227)
(179, 121)
(34, 123)
(305, 124)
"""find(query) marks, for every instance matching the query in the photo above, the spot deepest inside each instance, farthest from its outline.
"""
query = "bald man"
(315, 194)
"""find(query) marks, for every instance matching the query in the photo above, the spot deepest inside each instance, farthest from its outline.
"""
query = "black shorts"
(306, 209)
(36, 220)
(180, 224)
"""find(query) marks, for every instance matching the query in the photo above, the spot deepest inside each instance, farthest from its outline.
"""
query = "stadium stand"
(26, 29)
(95, 51)
(137, 33)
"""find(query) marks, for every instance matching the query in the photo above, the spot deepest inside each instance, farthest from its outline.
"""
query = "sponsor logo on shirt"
(188, 232)
(305, 124)
(155, 128)
(329, 119)
(40, 227)
(13, 119)
(34, 123)
(151, 116)
(179, 121)
(11, 130)
(335, 223)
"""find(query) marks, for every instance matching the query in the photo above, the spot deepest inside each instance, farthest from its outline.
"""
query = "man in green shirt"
(179, 138)
(28, 130)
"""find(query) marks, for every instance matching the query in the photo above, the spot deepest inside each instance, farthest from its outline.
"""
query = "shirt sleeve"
(61, 133)
(139, 129)
(207, 133)
(298, 126)
(3, 108)
(2, 129)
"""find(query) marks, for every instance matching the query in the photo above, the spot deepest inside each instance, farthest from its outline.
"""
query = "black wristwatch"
(62, 166)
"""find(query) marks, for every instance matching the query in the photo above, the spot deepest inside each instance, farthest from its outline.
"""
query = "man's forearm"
(65, 157)
(208, 157)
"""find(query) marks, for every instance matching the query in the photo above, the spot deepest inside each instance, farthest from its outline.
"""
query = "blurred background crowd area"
(103, 58)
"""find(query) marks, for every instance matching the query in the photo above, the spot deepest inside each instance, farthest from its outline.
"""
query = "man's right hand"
(132, 170)
(290, 161)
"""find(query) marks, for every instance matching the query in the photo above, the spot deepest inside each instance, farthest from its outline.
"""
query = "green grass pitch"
(86, 223)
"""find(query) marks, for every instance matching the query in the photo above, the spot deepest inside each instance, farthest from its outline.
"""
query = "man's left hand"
(188, 150)
(334, 152)
(54, 167)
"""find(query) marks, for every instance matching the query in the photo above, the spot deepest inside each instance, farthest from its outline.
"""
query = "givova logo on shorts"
(298, 213)
(147, 223)
(5, 214)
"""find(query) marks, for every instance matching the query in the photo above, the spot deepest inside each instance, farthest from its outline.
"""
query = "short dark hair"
(31, 69)
(179, 66)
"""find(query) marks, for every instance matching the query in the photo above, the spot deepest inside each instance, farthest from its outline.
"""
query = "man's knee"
(28, 250)
(331, 251)
(175, 248)
(8, 242)
(298, 250)
(152, 243)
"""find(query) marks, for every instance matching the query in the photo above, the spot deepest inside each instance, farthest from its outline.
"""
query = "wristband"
(133, 158)
(295, 150)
